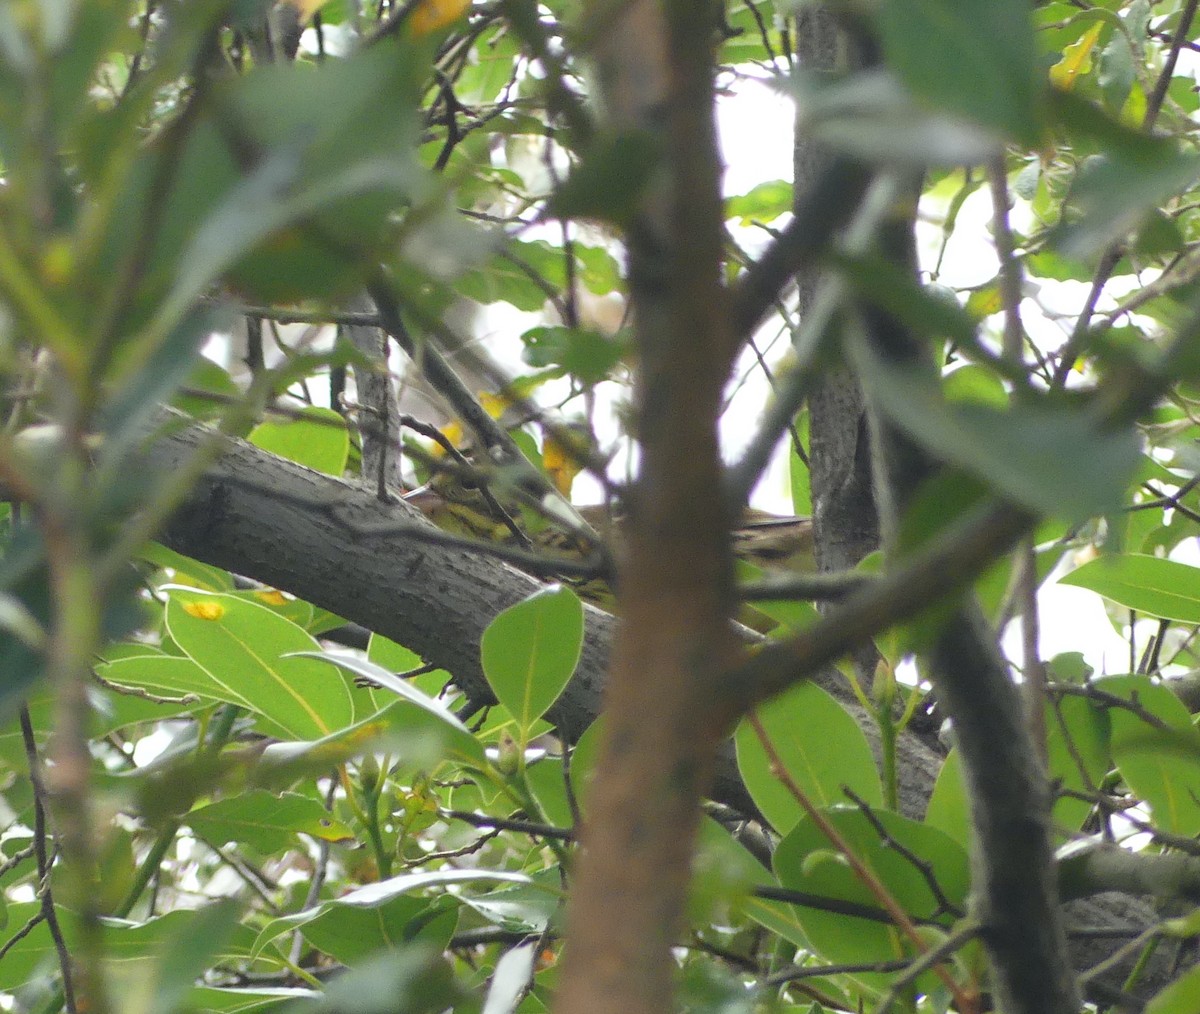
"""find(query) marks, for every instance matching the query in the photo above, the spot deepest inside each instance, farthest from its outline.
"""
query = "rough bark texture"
(1015, 894)
(384, 566)
(663, 713)
(335, 544)
(377, 418)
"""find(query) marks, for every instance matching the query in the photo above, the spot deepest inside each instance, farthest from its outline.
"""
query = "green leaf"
(822, 748)
(414, 737)
(153, 372)
(326, 177)
(242, 647)
(187, 571)
(1077, 738)
(723, 873)
(975, 384)
(607, 185)
(127, 944)
(948, 808)
(457, 737)
(317, 438)
(765, 203)
(160, 986)
(530, 651)
(1048, 457)
(528, 907)
(239, 1000)
(1115, 193)
(350, 933)
(976, 58)
(392, 656)
(546, 783)
(265, 821)
(1180, 997)
(926, 311)
(207, 391)
(588, 355)
(163, 676)
(416, 979)
(848, 938)
(1149, 584)
(1160, 758)
(799, 476)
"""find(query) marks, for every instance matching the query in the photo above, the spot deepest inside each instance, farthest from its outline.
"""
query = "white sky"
(758, 120)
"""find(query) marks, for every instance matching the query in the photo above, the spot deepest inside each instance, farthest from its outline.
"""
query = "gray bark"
(382, 565)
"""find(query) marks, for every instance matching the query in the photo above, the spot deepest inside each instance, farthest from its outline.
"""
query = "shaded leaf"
(822, 748)
(1158, 758)
(265, 821)
(976, 58)
(530, 651)
(464, 746)
(839, 937)
(1046, 456)
(607, 185)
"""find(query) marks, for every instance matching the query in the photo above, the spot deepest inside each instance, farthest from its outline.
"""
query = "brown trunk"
(663, 708)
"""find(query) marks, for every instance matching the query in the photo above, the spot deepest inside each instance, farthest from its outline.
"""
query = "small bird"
(768, 541)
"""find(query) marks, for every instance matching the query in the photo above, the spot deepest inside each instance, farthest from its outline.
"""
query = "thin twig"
(966, 1001)
(922, 866)
(48, 911)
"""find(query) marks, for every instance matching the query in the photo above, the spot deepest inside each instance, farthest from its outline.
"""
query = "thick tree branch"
(819, 214)
(284, 525)
(1167, 875)
(663, 719)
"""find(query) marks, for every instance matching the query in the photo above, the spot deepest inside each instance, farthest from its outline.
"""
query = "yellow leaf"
(985, 301)
(271, 597)
(434, 14)
(494, 404)
(1076, 58)
(205, 610)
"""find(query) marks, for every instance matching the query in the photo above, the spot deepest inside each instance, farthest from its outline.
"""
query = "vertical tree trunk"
(1014, 889)
(663, 709)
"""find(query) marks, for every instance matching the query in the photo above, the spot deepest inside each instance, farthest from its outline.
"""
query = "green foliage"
(825, 753)
(804, 861)
(530, 652)
(1149, 584)
(265, 806)
(318, 439)
(934, 46)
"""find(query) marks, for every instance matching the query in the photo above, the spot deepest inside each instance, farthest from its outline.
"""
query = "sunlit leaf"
(530, 652)
(249, 656)
(317, 438)
(1149, 584)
